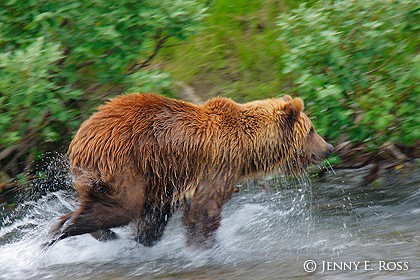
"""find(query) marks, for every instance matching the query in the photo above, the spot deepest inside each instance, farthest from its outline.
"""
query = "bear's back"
(130, 126)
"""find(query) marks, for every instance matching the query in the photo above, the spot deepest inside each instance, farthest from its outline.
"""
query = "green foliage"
(58, 57)
(106, 39)
(151, 81)
(356, 64)
(32, 101)
(236, 54)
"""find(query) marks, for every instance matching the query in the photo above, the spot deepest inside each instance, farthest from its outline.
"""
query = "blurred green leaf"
(356, 64)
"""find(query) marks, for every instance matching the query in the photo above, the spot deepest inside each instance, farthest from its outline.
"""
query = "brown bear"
(140, 156)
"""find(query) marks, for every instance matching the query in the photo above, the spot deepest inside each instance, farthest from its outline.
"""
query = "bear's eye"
(311, 131)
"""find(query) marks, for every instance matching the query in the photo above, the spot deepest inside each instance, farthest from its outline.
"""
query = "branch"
(377, 68)
(8, 151)
(84, 64)
(147, 62)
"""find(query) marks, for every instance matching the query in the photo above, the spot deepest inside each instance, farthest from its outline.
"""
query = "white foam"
(253, 228)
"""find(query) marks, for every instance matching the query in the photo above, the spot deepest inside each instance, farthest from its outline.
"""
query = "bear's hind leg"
(90, 219)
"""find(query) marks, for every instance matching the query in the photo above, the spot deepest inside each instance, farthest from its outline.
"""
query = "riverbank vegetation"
(355, 64)
(60, 59)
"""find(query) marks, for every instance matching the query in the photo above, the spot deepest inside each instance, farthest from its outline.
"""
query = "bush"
(56, 55)
(32, 100)
(357, 65)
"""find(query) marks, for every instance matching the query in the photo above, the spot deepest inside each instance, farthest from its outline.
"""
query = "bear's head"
(307, 147)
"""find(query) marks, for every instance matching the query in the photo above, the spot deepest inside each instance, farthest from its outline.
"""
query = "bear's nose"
(330, 148)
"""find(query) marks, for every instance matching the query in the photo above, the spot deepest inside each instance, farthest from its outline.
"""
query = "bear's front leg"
(201, 223)
(202, 214)
(151, 225)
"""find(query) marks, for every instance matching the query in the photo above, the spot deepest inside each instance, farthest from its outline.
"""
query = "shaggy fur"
(141, 155)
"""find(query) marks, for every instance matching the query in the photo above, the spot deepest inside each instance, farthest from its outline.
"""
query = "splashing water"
(269, 229)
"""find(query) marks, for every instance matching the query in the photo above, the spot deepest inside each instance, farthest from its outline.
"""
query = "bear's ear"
(293, 109)
(287, 98)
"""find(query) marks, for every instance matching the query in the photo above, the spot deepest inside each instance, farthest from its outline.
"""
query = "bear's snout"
(330, 149)
(327, 151)
(322, 153)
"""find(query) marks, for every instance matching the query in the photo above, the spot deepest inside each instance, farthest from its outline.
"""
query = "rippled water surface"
(266, 233)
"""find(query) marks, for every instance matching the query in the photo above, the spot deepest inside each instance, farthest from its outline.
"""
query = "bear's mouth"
(319, 158)
(316, 159)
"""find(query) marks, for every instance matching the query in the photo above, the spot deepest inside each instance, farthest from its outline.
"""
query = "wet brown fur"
(141, 155)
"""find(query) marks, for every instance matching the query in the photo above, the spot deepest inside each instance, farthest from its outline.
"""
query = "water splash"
(270, 222)
(250, 230)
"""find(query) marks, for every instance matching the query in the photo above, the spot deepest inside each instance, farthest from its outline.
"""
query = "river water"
(270, 230)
